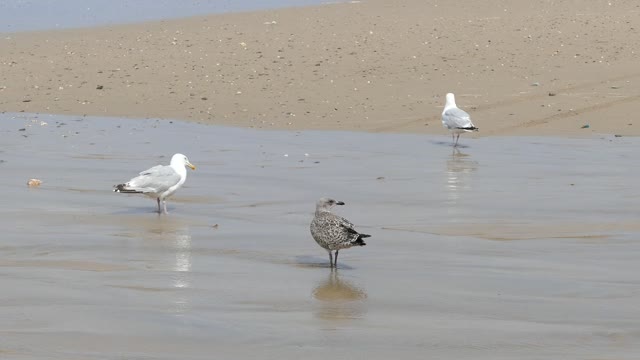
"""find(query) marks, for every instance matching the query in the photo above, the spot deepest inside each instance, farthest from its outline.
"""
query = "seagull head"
(325, 204)
(181, 160)
(451, 100)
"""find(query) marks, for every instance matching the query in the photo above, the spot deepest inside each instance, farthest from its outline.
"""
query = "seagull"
(455, 120)
(159, 182)
(333, 232)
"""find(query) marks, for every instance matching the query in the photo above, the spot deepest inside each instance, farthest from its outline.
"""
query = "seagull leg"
(457, 138)
(453, 138)
(330, 259)
(159, 209)
(164, 203)
(335, 260)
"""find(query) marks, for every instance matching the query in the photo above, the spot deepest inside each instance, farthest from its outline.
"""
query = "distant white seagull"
(333, 232)
(455, 120)
(160, 181)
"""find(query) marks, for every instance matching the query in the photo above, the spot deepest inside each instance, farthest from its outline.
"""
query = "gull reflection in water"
(460, 170)
(182, 247)
(339, 299)
(182, 270)
(176, 244)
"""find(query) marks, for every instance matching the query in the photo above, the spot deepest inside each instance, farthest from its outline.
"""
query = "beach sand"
(503, 248)
(519, 68)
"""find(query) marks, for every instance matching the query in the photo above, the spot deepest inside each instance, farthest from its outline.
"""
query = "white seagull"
(455, 120)
(160, 181)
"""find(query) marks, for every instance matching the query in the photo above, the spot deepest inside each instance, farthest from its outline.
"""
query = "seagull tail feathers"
(121, 188)
(359, 241)
(469, 128)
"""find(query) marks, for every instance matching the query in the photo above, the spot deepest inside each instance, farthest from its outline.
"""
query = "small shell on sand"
(34, 182)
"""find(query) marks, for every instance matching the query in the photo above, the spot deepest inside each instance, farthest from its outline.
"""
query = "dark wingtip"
(340, 203)
(120, 188)
(359, 240)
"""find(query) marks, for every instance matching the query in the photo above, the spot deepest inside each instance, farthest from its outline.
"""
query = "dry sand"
(519, 67)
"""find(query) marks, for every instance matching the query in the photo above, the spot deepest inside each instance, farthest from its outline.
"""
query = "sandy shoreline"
(519, 69)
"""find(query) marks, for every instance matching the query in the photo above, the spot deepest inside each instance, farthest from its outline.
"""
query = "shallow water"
(27, 15)
(508, 248)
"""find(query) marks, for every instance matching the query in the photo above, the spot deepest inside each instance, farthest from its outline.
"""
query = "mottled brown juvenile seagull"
(333, 232)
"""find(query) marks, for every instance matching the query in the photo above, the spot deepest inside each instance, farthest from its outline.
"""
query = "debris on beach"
(617, 135)
(552, 94)
(585, 126)
(34, 182)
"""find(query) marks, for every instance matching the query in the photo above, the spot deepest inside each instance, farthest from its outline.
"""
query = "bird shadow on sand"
(317, 262)
(449, 143)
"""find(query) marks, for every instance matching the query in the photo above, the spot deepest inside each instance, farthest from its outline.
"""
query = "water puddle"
(510, 247)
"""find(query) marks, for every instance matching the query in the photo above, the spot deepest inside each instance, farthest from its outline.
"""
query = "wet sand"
(510, 248)
(522, 68)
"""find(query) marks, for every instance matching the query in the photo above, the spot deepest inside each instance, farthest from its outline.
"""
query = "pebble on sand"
(34, 182)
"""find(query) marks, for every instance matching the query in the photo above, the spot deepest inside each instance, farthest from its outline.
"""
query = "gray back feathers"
(455, 118)
(157, 179)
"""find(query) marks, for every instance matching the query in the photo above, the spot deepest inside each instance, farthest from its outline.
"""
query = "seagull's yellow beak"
(193, 167)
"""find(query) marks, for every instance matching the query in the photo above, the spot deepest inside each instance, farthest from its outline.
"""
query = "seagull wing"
(154, 180)
(455, 118)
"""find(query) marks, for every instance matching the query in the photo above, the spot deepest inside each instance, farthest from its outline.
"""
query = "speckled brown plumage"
(333, 232)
